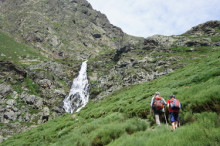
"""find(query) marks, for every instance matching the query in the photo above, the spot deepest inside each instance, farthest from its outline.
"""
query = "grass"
(205, 131)
(215, 38)
(124, 117)
(33, 87)
(11, 50)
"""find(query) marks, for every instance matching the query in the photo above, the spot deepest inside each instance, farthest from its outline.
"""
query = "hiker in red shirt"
(157, 104)
(174, 106)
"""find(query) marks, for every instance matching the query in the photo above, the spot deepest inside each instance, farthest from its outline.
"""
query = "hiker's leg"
(176, 119)
(172, 120)
(176, 124)
(157, 118)
(173, 125)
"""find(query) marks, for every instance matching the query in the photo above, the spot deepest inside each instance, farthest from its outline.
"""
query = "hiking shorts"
(158, 112)
(174, 116)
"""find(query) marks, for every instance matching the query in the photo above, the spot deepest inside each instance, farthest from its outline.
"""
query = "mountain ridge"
(69, 24)
(42, 46)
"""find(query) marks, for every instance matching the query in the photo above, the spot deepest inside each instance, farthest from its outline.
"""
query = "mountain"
(152, 57)
(124, 118)
(61, 28)
(44, 42)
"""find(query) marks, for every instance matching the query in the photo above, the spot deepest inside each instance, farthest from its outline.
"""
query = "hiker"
(173, 106)
(157, 104)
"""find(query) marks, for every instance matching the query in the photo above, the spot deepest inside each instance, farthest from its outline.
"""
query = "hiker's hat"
(172, 96)
(157, 93)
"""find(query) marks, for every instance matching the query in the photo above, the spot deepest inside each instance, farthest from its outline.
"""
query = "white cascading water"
(79, 93)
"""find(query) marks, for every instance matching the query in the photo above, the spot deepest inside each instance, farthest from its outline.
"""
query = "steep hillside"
(31, 86)
(43, 43)
(124, 117)
(153, 57)
(61, 28)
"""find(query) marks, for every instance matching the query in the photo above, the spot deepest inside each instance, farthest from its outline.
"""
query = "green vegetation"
(188, 49)
(124, 117)
(205, 131)
(33, 87)
(14, 51)
(1, 125)
(215, 38)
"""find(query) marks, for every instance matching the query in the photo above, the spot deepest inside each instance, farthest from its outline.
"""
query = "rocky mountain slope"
(61, 28)
(125, 118)
(43, 43)
(51, 40)
(153, 57)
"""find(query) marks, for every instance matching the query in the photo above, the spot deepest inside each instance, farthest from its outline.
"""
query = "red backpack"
(158, 103)
(175, 104)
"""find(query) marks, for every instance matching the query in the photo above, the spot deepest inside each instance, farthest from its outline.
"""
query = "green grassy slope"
(12, 50)
(124, 117)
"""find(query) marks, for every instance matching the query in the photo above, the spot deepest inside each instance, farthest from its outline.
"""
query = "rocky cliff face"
(155, 56)
(61, 28)
(28, 97)
(66, 32)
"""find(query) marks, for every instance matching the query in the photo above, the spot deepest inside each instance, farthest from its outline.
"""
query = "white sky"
(166, 17)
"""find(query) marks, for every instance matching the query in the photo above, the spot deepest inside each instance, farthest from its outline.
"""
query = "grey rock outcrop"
(10, 102)
(46, 114)
(34, 101)
(158, 41)
(60, 92)
(208, 28)
(45, 83)
(11, 115)
(5, 89)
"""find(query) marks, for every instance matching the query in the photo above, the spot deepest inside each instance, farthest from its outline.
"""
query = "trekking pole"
(165, 118)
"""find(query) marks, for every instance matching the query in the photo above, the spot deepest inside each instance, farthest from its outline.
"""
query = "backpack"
(175, 104)
(158, 103)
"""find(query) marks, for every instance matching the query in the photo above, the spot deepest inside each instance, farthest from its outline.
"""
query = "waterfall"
(79, 93)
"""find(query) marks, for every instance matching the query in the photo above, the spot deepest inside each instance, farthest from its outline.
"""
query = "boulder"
(11, 102)
(9, 66)
(60, 92)
(27, 117)
(38, 103)
(15, 95)
(10, 115)
(14, 109)
(33, 100)
(46, 114)
(97, 36)
(54, 41)
(120, 51)
(216, 44)
(197, 43)
(58, 109)
(30, 99)
(5, 89)
(45, 83)
(156, 41)
(61, 53)
(150, 44)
